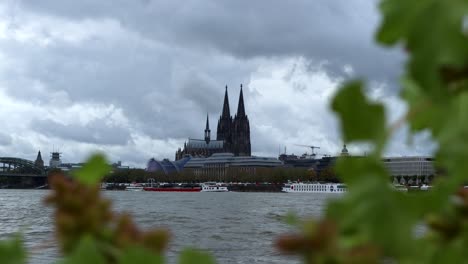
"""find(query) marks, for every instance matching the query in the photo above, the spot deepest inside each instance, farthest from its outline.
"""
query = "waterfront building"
(325, 164)
(55, 161)
(293, 161)
(166, 166)
(410, 170)
(233, 134)
(310, 161)
(70, 166)
(220, 165)
(403, 170)
(118, 166)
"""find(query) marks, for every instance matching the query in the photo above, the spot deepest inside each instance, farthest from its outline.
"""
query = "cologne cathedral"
(233, 134)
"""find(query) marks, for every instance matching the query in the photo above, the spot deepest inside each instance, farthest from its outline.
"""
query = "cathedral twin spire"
(232, 135)
(235, 132)
(226, 112)
(240, 108)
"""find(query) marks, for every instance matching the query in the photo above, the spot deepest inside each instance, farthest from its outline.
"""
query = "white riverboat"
(213, 187)
(314, 188)
(134, 187)
(400, 187)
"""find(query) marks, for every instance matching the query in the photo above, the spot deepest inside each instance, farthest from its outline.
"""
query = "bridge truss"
(10, 166)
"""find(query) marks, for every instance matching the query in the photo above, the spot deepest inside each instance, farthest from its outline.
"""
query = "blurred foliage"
(86, 228)
(12, 251)
(92, 171)
(372, 223)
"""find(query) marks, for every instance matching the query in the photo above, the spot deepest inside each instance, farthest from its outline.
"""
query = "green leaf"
(94, 169)
(360, 119)
(398, 16)
(12, 251)
(453, 140)
(436, 40)
(193, 256)
(432, 32)
(372, 212)
(423, 112)
(86, 252)
(140, 255)
(355, 170)
(451, 252)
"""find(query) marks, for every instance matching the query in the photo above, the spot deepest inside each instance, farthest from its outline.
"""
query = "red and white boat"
(213, 187)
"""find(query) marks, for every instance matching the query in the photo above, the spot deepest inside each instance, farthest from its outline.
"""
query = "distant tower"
(225, 124)
(39, 162)
(241, 129)
(55, 160)
(207, 130)
(344, 151)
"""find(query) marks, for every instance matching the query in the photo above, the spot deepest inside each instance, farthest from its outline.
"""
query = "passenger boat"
(213, 187)
(314, 188)
(134, 187)
(174, 188)
(400, 187)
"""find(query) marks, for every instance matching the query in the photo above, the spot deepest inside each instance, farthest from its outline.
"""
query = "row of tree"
(270, 175)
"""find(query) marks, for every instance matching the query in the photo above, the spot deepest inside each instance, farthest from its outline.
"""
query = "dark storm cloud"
(339, 32)
(164, 65)
(95, 132)
(200, 89)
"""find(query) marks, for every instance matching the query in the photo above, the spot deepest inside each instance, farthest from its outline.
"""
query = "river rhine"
(234, 227)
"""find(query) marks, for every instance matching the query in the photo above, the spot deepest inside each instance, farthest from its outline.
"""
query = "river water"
(235, 227)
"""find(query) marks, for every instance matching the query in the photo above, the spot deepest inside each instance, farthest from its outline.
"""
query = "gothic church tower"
(224, 131)
(233, 135)
(241, 130)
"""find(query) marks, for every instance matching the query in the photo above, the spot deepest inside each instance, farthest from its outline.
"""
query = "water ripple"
(235, 227)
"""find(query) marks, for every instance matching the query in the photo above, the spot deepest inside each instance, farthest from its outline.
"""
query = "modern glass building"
(220, 164)
(410, 170)
(166, 165)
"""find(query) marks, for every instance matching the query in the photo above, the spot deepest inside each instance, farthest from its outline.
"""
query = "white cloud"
(291, 106)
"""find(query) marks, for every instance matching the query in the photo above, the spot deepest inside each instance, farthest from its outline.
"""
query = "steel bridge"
(21, 173)
(10, 166)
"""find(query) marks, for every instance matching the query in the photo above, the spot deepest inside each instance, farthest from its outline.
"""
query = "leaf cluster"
(373, 222)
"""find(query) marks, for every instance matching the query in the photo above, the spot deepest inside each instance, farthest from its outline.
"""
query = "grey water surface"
(234, 227)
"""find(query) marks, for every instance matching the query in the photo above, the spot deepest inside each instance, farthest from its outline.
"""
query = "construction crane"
(311, 147)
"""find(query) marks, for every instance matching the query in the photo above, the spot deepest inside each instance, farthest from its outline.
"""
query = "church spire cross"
(240, 107)
(226, 112)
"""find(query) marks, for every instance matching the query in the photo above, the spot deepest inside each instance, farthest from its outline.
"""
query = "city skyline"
(125, 80)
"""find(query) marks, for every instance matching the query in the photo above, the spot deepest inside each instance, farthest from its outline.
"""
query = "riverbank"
(263, 187)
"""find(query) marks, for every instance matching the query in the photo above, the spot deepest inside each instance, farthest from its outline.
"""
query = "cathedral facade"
(232, 135)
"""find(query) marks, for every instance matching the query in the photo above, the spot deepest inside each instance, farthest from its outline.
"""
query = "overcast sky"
(135, 79)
